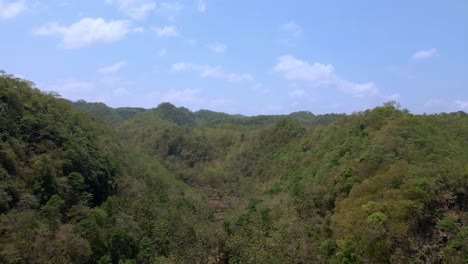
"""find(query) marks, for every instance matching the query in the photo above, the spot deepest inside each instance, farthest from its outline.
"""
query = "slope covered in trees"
(70, 192)
(378, 186)
(167, 185)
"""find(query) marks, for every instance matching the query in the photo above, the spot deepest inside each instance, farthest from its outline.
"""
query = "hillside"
(72, 192)
(168, 185)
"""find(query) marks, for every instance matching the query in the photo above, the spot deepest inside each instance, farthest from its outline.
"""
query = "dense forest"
(86, 183)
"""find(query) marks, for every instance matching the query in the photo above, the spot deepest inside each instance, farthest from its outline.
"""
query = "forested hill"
(167, 185)
(183, 116)
(103, 112)
(72, 192)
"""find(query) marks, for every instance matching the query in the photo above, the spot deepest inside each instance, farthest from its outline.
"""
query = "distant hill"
(178, 115)
(207, 116)
(108, 114)
(183, 116)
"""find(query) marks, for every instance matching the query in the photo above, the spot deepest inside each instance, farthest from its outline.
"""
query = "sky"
(243, 57)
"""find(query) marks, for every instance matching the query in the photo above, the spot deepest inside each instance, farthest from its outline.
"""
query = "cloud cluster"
(321, 75)
(208, 71)
(290, 33)
(298, 70)
(292, 28)
(167, 31)
(218, 48)
(424, 54)
(11, 9)
(86, 32)
(201, 6)
(112, 68)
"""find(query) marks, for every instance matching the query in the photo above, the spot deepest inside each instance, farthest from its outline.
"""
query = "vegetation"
(167, 185)
(103, 112)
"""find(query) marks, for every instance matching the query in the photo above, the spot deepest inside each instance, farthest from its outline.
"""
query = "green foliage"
(53, 159)
(52, 211)
(349, 255)
(377, 218)
(122, 245)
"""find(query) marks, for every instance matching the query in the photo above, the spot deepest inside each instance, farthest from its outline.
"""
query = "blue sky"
(248, 57)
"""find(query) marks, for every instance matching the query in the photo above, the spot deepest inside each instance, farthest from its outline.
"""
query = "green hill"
(108, 114)
(72, 192)
(167, 185)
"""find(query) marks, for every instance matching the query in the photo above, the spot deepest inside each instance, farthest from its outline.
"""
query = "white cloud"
(86, 32)
(298, 70)
(290, 33)
(218, 48)
(357, 89)
(321, 75)
(12, 9)
(208, 71)
(461, 104)
(167, 31)
(112, 68)
(201, 6)
(292, 28)
(136, 9)
(182, 66)
(424, 54)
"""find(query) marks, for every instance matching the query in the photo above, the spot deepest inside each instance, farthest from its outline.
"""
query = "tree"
(52, 212)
